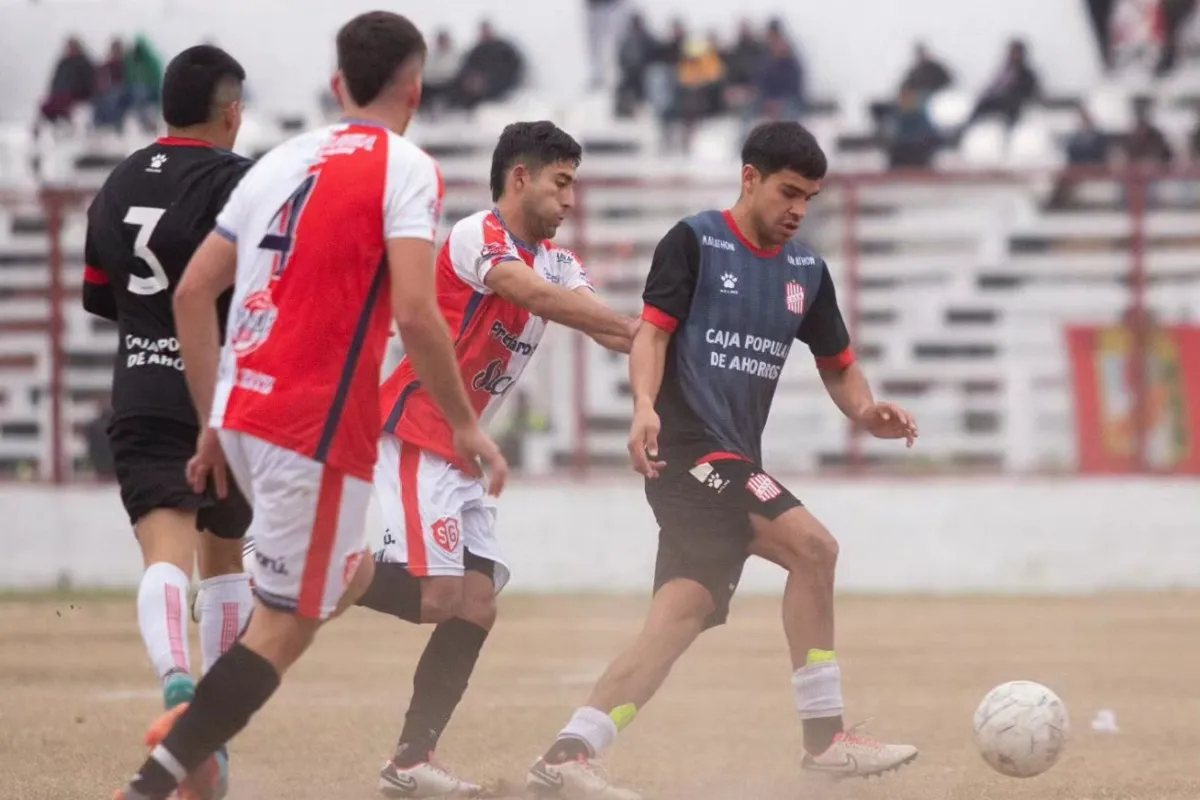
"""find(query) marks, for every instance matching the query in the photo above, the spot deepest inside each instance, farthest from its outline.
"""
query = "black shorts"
(150, 456)
(704, 529)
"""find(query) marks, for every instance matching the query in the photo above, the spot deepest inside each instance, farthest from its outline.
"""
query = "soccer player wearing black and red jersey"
(727, 295)
(143, 226)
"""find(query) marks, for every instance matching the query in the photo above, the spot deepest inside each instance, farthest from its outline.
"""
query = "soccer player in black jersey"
(143, 226)
(728, 294)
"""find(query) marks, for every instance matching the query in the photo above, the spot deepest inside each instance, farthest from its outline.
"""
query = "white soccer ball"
(1021, 728)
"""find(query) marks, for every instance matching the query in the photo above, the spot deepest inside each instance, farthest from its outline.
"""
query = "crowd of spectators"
(124, 83)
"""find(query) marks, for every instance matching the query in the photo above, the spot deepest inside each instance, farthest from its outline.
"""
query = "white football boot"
(855, 756)
(426, 779)
(580, 779)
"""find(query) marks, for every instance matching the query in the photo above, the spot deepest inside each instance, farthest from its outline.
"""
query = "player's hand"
(209, 461)
(643, 443)
(476, 446)
(888, 421)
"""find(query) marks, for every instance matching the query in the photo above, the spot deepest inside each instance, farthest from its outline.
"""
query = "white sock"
(162, 617)
(818, 689)
(223, 605)
(591, 725)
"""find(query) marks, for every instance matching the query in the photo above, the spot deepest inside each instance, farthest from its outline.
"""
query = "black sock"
(238, 684)
(438, 686)
(819, 733)
(394, 591)
(567, 748)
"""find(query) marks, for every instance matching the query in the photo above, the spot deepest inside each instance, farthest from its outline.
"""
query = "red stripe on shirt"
(95, 276)
(720, 456)
(839, 362)
(660, 319)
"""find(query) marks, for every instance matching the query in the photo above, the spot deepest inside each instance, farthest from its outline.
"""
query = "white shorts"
(309, 527)
(433, 513)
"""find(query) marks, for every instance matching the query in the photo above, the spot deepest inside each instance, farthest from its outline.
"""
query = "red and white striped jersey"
(310, 316)
(494, 338)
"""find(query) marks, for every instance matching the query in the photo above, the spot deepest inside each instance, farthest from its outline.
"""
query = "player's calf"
(168, 542)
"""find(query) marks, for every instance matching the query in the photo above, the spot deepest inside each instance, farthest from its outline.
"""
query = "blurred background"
(1012, 217)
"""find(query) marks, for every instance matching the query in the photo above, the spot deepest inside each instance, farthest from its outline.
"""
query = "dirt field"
(76, 693)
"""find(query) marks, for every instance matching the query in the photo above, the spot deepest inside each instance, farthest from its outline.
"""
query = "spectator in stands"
(1013, 87)
(637, 50)
(143, 82)
(110, 104)
(742, 62)
(491, 70)
(73, 83)
(603, 28)
(441, 71)
(1086, 146)
(927, 75)
(1146, 145)
(1175, 14)
(779, 80)
(911, 139)
(701, 87)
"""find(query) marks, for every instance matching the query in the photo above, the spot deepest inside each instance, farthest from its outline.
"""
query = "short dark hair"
(192, 81)
(371, 48)
(775, 146)
(534, 144)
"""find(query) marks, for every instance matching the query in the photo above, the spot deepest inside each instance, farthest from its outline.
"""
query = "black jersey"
(735, 311)
(145, 223)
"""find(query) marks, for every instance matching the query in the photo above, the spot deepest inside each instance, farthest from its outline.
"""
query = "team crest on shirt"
(763, 487)
(494, 250)
(253, 323)
(794, 295)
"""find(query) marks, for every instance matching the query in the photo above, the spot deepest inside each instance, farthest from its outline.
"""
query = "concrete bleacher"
(964, 285)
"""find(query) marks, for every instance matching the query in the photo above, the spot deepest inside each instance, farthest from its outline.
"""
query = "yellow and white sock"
(818, 686)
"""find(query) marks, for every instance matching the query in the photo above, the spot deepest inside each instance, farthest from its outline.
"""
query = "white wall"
(936, 535)
(853, 47)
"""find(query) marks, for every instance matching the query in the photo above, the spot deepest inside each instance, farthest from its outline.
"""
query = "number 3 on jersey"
(282, 236)
(146, 220)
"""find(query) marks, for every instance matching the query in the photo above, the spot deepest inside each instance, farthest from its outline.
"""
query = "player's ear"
(750, 176)
(336, 86)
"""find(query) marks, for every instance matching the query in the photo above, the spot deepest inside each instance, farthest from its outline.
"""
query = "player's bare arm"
(210, 272)
(647, 361)
(851, 393)
(428, 345)
(618, 344)
(516, 282)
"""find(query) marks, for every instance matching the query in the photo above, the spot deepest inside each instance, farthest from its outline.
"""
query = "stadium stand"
(959, 281)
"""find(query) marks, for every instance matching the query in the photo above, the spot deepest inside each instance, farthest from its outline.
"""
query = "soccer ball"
(1021, 728)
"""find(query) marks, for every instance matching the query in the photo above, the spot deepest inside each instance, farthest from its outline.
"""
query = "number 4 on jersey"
(282, 238)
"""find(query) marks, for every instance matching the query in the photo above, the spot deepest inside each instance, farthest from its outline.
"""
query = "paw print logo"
(156, 163)
(729, 282)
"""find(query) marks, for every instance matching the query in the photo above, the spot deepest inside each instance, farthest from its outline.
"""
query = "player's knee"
(441, 599)
(798, 543)
(812, 550)
(479, 608)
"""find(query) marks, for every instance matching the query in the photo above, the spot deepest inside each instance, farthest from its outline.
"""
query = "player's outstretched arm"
(618, 344)
(210, 272)
(518, 284)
